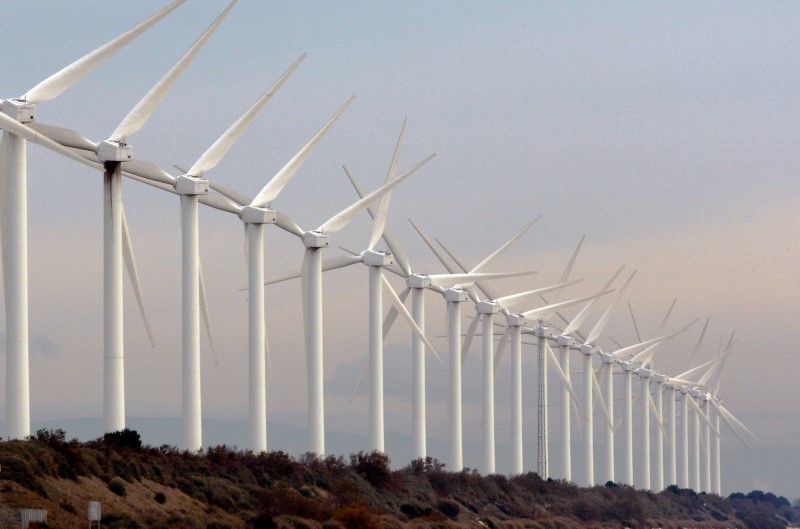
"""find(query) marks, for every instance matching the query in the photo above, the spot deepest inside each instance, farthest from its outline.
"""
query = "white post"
(456, 455)
(707, 458)
(113, 329)
(628, 423)
(660, 435)
(685, 434)
(717, 457)
(418, 376)
(516, 401)
(543, 460)
(566, 426)
(488, 394)
(15, 270)
(191, 403)
(609, 398)
(645, 398)
(672, 463)
(375, 359)
(316, 402)
(696, 484)
(257, 373)
(589, 410)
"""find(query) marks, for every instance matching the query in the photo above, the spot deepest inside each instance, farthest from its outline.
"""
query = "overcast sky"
(666, 133)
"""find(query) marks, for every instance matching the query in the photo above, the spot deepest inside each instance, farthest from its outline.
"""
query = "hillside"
(148, 487)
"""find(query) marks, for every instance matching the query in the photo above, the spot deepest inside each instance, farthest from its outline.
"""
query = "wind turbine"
(112, 154)
(13, 177)
(454, 296)
(313, 241)
(255, 213)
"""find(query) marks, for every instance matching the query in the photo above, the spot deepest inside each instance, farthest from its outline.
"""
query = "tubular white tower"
(696, 483)
(455, 297)
(608, 365)
(543, 452)
(564, 343)
(644, 377)
(672, 461)
(627, 421)
(316, 401)
(487, 311)
(659, 392)
(418, 421)
(257, 392)
(113, 331)
(515, 321)
(717, 470)
(708, 443)
(588, 405)
(685, 433)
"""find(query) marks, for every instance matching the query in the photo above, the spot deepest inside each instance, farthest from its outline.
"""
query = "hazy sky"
(667, 133)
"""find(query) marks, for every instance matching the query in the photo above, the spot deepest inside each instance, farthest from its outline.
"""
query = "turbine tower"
(15, 231)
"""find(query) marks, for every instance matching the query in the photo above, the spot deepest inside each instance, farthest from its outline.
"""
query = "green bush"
(117, 486)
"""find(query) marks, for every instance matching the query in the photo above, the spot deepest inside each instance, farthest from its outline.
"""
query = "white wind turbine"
(565, 341)
(113, 153)
(13, 179)
(454, 296)
(485, 311)
(376, 260)
(311, 273)
(255, 214)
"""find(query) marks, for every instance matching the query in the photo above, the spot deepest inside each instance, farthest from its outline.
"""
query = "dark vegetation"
(163, 487)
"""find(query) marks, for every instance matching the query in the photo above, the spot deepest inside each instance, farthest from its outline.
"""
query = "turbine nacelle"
(565, 341)
(315, 239)
(487, 307)
(191, 185)
(626, 366)
(588, 349)
(607, 358)
(254, 215)
(456, 295)
(375, 258)
(644, 373)
(695, 393)
(114, 151)
(419, 281)
(516, 320)
(659, 378)
(19, 110)
(541, 330)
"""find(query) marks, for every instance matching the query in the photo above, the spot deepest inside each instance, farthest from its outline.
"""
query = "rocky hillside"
(147, 487)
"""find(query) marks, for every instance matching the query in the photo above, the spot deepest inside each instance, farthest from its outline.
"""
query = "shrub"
(117, 486)
(449, 508)
(126, 438)
(357, 517)
(373, 466)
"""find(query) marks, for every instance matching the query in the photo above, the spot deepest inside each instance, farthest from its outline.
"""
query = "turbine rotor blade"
(341, 219)
(276, 184)
(361, 378)
(287, 224)
(501, 347)
(401, 308)
(563, 376)
(577, 321)
(66, 137)
(54, 85)
(450, 268)
(206, 316)
(699, 340)
(603, 321)
(220, 148)
(137, 117)
(488, 259)
(133, 274)
(379, 222)
(392, 314)
(468, 339)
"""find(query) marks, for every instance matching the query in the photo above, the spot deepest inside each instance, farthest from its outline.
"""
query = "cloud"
(39, 345)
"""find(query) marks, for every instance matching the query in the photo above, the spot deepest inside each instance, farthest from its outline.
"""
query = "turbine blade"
(54, 85)
(364, 371)
(287, 224)
(220, 148)
(237, 197)
(563, 376)
(304, 293)
(66, 137)
(18, 129)
(450, 268)
(340, 261)
(401, 308)
(273, 188)
(137, 117)
(507, 301)
(505, 246)
(206, 317)
(577, 321)
(3, 183)
(549, 309)
(599, 398)
(666, 316)
(731, 418)
(149, 171)
(621, 353)
(220, 202)
(473, 325)
(635, 326)
(601, 324)
(133, 274)
(341, 219)
(699, 340)
(397, 251)
(392, 314)
(449, 280)
(379, 221)
(501, 347)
